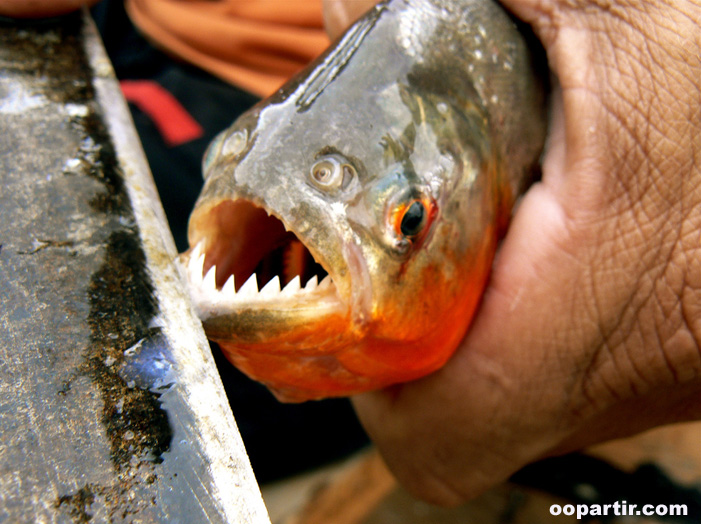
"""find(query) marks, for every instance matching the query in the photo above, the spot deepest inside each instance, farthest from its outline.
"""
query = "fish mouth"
(249, 274)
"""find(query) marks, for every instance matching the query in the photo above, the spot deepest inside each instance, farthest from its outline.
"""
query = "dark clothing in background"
(281, 439)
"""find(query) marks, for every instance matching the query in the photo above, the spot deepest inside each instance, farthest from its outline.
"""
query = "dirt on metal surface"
(96, 411)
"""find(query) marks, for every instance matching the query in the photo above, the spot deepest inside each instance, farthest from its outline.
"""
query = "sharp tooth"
(312, 284)
(292, 286)
(250, 288)
(272, 287)
(210, 280)
(196, 264)
(198, 250)
(326, 283)
(229, 288)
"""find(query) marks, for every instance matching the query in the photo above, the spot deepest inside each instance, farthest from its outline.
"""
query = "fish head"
(362, 250)
(347, 224)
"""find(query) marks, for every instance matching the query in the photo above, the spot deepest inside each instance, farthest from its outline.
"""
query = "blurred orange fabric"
(253, 44)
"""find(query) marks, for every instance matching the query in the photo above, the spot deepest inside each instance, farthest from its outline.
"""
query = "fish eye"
(413, 219)
(330, 174)
(407, 212)
(410, 219)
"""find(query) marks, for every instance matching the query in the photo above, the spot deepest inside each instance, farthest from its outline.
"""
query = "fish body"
(347, 224)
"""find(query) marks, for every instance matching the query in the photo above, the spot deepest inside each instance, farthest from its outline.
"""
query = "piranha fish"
(347, 224)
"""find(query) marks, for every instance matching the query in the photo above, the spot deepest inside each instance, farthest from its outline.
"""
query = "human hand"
(40, 8)
(590, 326)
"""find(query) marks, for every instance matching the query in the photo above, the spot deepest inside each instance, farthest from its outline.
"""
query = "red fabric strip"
(172, 120)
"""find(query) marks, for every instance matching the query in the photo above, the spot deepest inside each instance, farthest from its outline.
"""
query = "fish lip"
(213, 302)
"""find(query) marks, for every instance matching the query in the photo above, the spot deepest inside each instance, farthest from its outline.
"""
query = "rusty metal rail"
(111, 409)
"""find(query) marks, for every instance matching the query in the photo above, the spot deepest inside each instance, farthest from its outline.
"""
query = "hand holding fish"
(590, 327)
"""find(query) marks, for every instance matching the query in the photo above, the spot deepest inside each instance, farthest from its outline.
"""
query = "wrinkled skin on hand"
(590, 327)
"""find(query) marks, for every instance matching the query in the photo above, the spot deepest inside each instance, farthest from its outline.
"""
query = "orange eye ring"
(411, 219)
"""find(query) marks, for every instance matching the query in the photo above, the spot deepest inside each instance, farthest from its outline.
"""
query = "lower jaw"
(297, 378)
(317, 373)
(300, 330)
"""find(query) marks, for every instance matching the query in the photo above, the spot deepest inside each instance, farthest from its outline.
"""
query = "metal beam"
(111, 408)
